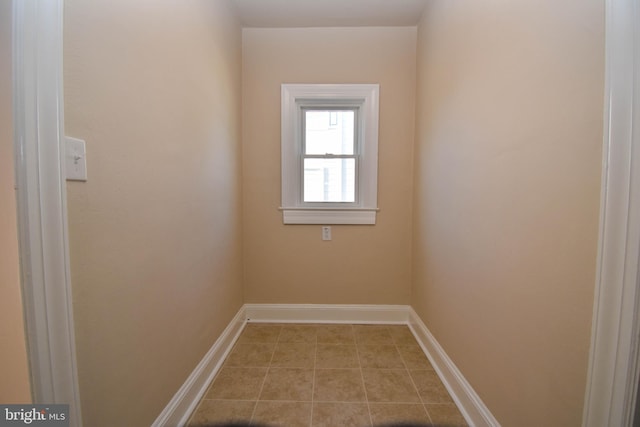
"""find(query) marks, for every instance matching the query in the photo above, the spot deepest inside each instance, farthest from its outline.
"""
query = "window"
(329, 153)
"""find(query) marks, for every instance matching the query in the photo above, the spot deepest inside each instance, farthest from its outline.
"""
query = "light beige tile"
(402, 335)
(340, 414)
(277, 361)
(237, 383)
(251, 355)
(430, 387)
(259, 333)
(372, 334)
(288, 384)
(396, 413)
(380, 356)
(389, 385)
(446, 415)
(336, 356)
(338, 385)
(285, 414)
(335, 334)
(294, 355)
(218, 411)
(414, 357)
(298, 334)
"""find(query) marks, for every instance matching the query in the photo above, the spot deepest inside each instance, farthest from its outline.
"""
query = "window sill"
(328, 216)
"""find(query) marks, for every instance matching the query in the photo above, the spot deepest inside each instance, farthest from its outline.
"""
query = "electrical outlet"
(326, 232)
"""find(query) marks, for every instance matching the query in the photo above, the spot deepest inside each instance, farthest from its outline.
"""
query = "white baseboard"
(327, 313)
(184, 402)
(179, 409)
(468, 401)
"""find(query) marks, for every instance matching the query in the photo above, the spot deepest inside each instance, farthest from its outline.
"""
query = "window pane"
(329, 132)
(329, 180)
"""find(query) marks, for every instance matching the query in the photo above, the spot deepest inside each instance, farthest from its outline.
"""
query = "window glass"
(329, 132)
(329, 180)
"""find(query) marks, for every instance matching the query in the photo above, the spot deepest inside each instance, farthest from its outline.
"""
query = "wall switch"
(75, 159)
(326, 232)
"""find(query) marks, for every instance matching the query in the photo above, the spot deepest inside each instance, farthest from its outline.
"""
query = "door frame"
(612, 375)
(38, 114)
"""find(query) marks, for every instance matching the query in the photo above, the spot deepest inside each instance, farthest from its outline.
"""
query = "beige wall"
(507, 164)
(14, 374)
(155, 234)
(290, 263)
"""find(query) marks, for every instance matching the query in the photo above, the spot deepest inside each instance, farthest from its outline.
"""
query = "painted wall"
(290, 263)
(14, 370)
(155, 234)
(507, 166)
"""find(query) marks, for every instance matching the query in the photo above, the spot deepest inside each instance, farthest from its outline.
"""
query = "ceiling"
(329, 13)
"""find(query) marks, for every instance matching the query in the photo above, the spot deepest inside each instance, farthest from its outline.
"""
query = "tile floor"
(326, 375)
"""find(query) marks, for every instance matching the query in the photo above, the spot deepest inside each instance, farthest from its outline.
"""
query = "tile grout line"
(264, 380)
(412, 381)
(328, 401)
(313, 379)
(364, 386)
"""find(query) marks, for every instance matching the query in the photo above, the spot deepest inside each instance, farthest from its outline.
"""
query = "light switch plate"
(75, 159)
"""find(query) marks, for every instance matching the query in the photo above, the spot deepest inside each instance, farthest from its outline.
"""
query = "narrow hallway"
(489, 163)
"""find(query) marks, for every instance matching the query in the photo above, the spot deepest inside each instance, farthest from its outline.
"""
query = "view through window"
(329, 159)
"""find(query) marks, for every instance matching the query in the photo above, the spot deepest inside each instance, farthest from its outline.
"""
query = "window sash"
(303, 107)
(356, 181)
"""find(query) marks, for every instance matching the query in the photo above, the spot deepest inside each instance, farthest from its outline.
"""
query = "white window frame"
(295, 98)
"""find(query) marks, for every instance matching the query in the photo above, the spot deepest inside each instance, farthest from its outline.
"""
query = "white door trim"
(613, 374)
(42, 210)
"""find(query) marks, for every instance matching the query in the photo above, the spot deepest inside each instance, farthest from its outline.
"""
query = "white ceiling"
(329, 13)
